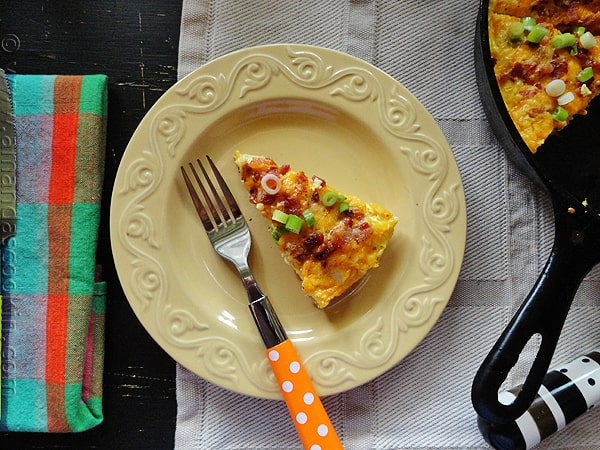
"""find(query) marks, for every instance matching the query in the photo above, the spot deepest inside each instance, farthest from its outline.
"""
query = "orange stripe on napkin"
(59, 242)
(56, 338)
(64, 141)
(57, 419)
(60, 198)
(56, 356)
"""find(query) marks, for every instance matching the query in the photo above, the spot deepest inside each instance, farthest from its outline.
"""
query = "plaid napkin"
(53, 308)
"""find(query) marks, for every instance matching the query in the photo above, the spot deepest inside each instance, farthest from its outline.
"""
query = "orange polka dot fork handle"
(306, 410)
(310, 418)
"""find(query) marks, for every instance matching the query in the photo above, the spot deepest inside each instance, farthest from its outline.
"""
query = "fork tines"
(211, 201)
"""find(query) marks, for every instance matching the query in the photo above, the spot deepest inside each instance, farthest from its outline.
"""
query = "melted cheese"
(339, 249)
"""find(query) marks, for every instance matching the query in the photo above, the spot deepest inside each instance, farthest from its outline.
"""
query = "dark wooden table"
(134, 42)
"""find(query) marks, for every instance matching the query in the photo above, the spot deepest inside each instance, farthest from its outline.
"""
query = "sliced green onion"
(528, 23)
(560, 114)
(536, 34)
(587, 40)
(578, 31)
(566, 98)
(563, 40)
(267, 183)
(556, 88)
(585, 90)
(516, 31)
(344, 207)
(279, 216)
(294, 223)
(309, 217)
(277, 232)
(585, 75)
(329, 198)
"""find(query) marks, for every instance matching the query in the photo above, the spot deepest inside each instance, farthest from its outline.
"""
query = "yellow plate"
(323, 112)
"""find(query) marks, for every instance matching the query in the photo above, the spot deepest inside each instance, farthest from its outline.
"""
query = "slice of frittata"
(330, 239)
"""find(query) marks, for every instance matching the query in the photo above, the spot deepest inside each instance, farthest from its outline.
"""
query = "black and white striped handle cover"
(566, 393)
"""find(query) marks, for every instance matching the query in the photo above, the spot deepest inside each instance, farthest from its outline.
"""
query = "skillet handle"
(542, 313)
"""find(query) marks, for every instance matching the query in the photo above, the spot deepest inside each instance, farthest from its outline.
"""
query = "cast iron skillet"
(568, 167)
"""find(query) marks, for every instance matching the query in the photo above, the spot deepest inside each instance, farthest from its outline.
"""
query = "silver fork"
(229, 235)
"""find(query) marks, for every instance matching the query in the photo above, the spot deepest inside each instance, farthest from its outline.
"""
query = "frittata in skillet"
(547, 61)
(330, 239)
